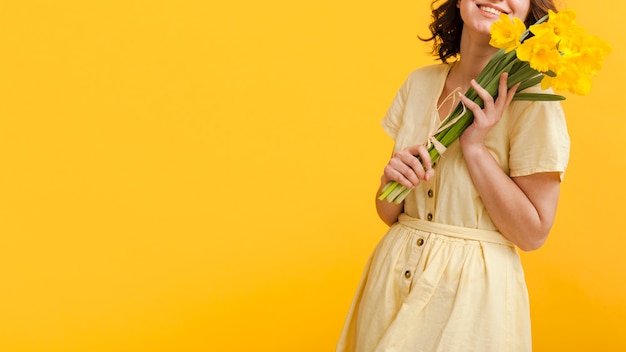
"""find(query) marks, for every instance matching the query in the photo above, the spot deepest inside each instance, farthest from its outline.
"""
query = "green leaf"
(538, 97)
(490, 68)
(524, 73)
(530, 82)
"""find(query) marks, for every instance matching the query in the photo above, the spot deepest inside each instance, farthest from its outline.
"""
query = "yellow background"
(199, 176)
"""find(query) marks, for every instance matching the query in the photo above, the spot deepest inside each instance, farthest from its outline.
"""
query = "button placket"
(410, 267)
(430, 197)
(430, 201)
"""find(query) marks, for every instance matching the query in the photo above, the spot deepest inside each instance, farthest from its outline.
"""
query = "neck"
(474, 56)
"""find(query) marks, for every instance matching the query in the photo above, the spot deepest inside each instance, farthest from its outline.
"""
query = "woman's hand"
(487, 117)
(406, 169)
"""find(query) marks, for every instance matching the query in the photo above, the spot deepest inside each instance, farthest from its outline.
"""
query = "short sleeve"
(393, 118)
(539, 140)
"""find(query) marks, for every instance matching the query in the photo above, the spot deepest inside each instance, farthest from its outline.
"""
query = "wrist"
(474, 150)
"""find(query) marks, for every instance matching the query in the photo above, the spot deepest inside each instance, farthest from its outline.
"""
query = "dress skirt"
(434, 287)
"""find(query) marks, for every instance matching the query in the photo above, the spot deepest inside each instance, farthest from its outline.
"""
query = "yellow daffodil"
(570, 79)
(506, 33)
(566, 79)
(590, 54)
(541, 52)
(560, 23)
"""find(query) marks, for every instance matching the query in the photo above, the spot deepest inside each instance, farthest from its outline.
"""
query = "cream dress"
(443, 278)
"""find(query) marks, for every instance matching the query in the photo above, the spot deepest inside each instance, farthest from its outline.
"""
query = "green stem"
(396, 191)
(389, 187)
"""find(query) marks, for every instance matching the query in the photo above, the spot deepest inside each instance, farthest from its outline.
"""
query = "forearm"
(525, 219)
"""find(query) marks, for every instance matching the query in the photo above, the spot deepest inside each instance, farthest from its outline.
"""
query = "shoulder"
(521, 108)
(424, 78)
(542, 122)
(434, 71)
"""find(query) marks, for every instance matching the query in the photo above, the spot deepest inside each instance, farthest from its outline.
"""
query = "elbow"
(532, 243)
(388, 219)
(388, 212)
(532, 237)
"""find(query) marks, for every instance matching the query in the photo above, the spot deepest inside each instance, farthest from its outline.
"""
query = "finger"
(429, 174)
(413, 163)
(395, 175)
(511, 94)
(425, 157)
(400, 171)
(505, 95)
(502, 87)
(421, 151)
(475, 108)
(411, 168)
(482, 93)
(420, 162)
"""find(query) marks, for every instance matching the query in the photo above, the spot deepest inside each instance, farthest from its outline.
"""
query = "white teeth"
(490, 10)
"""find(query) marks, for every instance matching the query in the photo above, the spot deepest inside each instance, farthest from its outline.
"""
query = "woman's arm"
(523, 208)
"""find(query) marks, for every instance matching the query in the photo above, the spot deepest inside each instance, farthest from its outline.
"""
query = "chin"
(483, 29)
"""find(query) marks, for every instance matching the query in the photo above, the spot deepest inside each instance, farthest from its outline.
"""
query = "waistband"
(454, 231)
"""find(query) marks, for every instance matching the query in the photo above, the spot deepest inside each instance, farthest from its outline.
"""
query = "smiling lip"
(491, 10)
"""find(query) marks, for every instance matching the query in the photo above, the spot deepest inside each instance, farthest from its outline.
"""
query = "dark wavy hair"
(447, 25)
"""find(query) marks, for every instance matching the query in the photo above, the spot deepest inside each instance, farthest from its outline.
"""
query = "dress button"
(420, 242)
(430, 193)
(407, 274)
(429, 217)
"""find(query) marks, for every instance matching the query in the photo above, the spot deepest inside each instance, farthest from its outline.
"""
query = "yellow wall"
(199, 176)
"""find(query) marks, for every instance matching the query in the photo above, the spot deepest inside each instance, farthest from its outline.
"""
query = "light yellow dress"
(443, 278)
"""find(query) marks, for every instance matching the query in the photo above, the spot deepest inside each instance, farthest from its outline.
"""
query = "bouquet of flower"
(558, 54)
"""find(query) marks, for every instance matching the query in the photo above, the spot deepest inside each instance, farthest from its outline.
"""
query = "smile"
(490, 10)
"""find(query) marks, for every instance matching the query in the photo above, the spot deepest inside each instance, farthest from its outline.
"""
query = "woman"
(447, 275)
